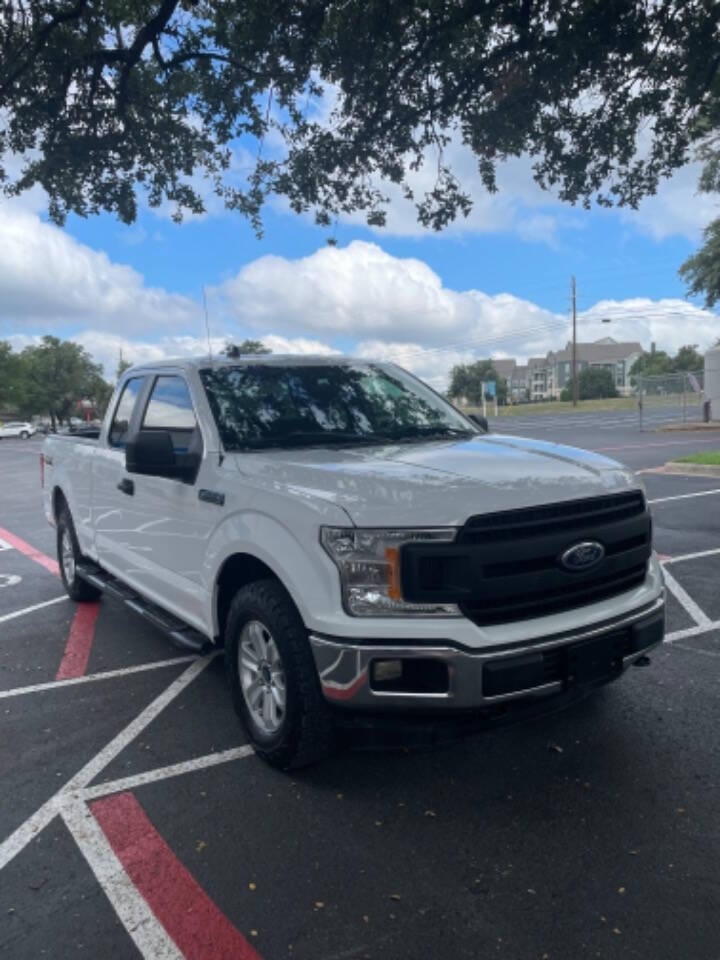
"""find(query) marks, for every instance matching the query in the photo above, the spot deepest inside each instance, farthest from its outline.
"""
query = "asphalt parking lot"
(135, 821)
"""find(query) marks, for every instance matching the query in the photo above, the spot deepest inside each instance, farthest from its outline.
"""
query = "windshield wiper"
(437, 433)
(318, 438)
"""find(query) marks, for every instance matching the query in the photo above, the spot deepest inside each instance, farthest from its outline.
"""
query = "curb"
(691, 469)
(679, 427)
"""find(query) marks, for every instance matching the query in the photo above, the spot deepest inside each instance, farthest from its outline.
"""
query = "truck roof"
(269, 359)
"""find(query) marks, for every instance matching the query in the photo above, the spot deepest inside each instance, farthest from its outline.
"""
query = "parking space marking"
(692, 631)
(684, 598)
(692, 556)
(35, 606)
(20, 837)
(147, 933)
(79, 644)
(192, 919)
(164, 773)
(29, 551)
(9, 580)
(91, 678)
(684, 496)
(4, 545)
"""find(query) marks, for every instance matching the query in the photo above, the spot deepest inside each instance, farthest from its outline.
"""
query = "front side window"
(271, 405)
(170, 408)
(123, 412)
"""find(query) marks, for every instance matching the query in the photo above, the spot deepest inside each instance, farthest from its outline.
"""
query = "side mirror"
(151, 452)
(480, 421)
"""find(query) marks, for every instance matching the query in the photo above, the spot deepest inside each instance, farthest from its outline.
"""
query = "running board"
(181, 635)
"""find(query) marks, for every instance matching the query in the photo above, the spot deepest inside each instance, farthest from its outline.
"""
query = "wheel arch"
(59, 500)
(237, 571)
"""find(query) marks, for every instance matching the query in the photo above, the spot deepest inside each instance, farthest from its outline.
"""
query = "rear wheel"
(24, 434)
(68, 553)
(273, 678)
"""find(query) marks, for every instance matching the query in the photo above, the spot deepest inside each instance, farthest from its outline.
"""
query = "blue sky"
(610, 258)
(496, 284)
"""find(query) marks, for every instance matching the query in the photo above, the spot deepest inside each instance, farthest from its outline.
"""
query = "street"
(135, 821)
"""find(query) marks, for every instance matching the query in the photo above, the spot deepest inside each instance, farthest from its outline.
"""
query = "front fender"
(294, 556)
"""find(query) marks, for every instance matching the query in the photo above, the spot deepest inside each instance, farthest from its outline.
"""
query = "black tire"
(24, 434)
(305, 734)
(76, 588)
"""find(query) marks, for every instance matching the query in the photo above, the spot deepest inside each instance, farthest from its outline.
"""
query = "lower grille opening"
(417, 675)
(599, 658)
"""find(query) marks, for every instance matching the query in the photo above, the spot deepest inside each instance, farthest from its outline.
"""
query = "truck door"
(113, 516)
(168, 539)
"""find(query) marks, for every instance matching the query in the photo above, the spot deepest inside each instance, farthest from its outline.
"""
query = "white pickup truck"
(360, 548)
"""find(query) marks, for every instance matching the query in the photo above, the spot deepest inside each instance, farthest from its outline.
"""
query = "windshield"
(265, 405)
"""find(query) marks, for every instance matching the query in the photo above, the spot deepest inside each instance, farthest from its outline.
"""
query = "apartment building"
(544, 378)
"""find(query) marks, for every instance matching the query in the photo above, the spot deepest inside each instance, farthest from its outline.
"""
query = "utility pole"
(574, 344)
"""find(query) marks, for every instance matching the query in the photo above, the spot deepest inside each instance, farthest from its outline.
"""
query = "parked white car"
(17, 428)
(359, 547)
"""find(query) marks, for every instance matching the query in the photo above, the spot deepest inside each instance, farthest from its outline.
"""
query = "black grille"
(556, 517)
(506, 566)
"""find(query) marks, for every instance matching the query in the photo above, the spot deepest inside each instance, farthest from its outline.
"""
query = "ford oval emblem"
(582, 556)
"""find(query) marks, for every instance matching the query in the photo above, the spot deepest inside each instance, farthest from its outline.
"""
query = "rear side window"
(123, 412)
(170, 408)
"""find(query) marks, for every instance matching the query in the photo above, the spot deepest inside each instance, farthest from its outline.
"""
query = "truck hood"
(438, 483)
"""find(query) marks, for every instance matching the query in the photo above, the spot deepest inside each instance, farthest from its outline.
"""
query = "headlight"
(369, 565)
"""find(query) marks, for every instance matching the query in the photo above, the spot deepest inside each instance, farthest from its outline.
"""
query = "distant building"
(516, 376)
(544, 378)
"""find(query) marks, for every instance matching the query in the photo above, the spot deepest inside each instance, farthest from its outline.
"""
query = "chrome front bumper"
(348, 671)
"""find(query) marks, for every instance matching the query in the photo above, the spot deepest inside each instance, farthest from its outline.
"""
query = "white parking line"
(164, 773)
(692, 556)
(35, 606)
(90, 678)
(684, 598)
(685, 496)
(692, 631)
(148, 934)
(20, 837)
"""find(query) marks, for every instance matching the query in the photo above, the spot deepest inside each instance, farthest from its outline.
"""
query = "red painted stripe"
(29, 551)
(77, 649)
(190, 917)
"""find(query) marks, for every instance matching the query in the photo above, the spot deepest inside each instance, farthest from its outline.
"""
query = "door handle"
(126, 486)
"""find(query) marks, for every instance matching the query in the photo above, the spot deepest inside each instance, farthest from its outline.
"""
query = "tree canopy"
(244, 347)
(49, 379)
(593, 383)
(466, 382)
(658, 362)
(325, 103)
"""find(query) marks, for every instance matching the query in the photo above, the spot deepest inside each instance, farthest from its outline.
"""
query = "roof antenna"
(207, 324)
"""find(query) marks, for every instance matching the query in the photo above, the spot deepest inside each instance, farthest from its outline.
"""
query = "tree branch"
(145, 35)
(60, 18)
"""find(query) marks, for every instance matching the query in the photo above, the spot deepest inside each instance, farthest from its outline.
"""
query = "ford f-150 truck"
(359, 546)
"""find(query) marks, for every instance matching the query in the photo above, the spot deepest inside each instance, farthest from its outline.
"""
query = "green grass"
(709, 458)
(584, 406)
(559, 406)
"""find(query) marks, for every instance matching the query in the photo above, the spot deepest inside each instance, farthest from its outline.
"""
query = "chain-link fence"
(669, 397)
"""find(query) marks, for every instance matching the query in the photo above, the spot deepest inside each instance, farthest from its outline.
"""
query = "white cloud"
(357, 298)
(363, 292)
(48, 277)
(677, 209)
(106, 348)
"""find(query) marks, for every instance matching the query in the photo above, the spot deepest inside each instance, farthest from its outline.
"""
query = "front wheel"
(24, 434)
(68, 552)
(273, 678)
